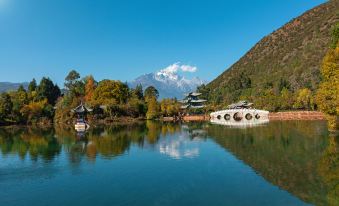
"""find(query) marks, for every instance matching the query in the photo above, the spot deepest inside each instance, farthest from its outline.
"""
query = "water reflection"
(106, 141)
(299, 157)
(37, 143)
(241, 124)
(184, 145)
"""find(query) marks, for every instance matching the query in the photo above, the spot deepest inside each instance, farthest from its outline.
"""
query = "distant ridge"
(9, 86)
(169, 85)
(292, 54)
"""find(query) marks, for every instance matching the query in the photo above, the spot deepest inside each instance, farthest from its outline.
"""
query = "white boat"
(240, 115)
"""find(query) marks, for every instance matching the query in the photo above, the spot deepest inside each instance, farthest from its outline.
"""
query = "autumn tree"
(152, 108)
(151, 92)
(169, 107)
(304, 99)
(90, 86)
(34, 111)
(108, 90)
(328, 93)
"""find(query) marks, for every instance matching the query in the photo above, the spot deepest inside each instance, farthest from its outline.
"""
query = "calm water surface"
(281, 163)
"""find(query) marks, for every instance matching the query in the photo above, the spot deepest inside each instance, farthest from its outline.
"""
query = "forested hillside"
(286, 64)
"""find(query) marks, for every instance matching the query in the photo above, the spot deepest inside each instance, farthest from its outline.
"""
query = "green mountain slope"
(9, 86)
(289, 57)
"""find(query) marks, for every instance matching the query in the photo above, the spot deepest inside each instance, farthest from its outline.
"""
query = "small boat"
(240, 114)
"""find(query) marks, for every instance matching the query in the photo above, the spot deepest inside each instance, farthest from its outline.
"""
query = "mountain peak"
(168, 82)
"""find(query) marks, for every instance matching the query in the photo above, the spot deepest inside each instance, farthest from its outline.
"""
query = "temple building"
(192, 100)
(81, 111)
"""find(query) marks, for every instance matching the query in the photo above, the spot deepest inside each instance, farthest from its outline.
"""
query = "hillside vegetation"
(284, 64)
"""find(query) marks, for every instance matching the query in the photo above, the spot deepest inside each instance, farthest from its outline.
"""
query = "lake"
(153, 163)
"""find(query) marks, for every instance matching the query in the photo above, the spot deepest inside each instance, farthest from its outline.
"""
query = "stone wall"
(296, 115)
(196, 118)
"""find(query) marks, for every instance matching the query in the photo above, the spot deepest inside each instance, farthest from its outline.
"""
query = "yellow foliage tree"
(109, 90)
(328, 93)
(89, 88)
(153, 108)
(34, 110)
(169, 107)
(304, 99)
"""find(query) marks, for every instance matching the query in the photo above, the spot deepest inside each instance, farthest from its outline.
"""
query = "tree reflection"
(37, 143)
(299, 157)
(106, 141)
(286, 154)
(329, 169)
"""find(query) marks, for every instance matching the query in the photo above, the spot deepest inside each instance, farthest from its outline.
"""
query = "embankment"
(288, 115)
(297, 115)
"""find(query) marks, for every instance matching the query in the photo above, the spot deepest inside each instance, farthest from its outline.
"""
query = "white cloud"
(174, 68)
(188, 68)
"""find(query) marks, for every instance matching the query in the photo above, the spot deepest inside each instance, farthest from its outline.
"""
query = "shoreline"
(273, 116)
(297, 115)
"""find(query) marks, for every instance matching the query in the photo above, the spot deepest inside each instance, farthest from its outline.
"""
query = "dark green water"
(281, 163)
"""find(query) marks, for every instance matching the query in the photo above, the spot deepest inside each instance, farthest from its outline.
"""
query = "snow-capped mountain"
(168, 82)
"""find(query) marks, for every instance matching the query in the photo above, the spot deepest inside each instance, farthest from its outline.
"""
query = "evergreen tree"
(48, 90)
(6, 106)
(21, 89)
(139, 92)
(335, 36)
(32, 85)
(73, 84)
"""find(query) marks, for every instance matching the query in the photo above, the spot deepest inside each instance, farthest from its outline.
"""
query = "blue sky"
(122, 39)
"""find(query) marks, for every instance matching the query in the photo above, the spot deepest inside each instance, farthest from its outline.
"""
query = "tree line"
(110, 99)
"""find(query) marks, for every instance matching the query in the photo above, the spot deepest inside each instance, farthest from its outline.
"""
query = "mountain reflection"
(299, 157)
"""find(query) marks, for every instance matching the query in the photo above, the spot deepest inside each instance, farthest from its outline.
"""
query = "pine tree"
(32, 85)
(139, 92)
(48, 90)
(6, 106)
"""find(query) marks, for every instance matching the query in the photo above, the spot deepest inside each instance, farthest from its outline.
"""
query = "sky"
(123, 39)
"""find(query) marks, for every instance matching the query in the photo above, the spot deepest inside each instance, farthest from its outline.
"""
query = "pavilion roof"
(240, 104)
(193, 94)
(81, 109)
